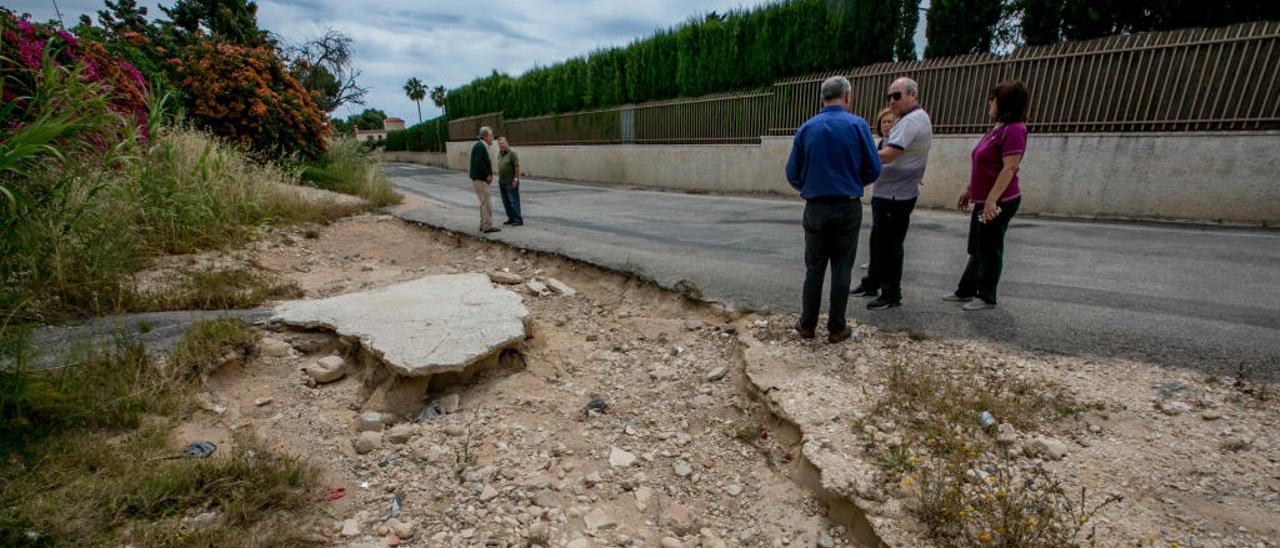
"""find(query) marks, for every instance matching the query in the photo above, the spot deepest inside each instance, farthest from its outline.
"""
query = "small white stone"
(327, 369)
(620, 459)
(351, 528)
(263, 401)
(716, 374)
(734, 489)
(599, 519)
(682, 469)
(488, 494)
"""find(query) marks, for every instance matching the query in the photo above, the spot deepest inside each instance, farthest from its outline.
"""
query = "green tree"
(904, 43)
(437, 96)
(958, 27)
(233, 21)
(416, 91)
(1041, 21)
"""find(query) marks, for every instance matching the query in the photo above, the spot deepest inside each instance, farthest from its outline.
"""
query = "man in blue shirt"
(832, 157)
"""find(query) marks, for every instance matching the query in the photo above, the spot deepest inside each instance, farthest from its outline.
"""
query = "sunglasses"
(895, 96)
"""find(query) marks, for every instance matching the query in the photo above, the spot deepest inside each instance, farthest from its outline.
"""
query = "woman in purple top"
(994, 194)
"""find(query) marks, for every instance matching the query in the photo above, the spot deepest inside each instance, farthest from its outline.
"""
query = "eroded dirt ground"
(684, 455)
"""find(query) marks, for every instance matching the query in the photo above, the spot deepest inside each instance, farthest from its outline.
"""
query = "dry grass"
(965, 488)
(212, 289)
(86, 456)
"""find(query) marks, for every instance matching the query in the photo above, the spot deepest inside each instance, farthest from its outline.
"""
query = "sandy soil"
(696, 461)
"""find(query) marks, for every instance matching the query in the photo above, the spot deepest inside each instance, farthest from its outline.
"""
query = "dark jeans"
(890, 220)
(511, 201)
(830, 237)
(986, 252)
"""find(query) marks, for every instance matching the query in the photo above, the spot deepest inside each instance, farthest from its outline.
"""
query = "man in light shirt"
(904, 155)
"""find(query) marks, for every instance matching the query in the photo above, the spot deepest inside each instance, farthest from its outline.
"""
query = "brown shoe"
(805, 332)
(841, 336)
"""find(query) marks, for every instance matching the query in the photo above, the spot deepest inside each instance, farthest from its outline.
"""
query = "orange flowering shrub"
(247, 95)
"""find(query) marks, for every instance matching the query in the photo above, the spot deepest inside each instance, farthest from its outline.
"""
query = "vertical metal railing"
(1185, 80)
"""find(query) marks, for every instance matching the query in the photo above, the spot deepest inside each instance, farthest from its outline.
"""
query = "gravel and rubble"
(635, 417)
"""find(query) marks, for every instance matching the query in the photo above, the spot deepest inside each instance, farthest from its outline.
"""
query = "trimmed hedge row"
(717, 53)
(429, 136)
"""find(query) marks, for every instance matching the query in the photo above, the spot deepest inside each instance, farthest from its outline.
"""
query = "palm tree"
(437, 96)
(416, 91)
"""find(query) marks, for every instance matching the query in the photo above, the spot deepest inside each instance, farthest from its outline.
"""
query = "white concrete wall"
(1203, 177)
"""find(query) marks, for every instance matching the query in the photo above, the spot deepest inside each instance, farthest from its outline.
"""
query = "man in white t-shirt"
(904, 155)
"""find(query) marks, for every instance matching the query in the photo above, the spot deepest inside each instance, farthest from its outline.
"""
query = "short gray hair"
(834, 88)
(485, 131)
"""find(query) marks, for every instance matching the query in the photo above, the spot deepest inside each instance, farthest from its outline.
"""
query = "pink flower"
(69, 38)
(26, 27)
(30, 52)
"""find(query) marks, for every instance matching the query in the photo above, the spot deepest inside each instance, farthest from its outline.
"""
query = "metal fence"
(1187, 80)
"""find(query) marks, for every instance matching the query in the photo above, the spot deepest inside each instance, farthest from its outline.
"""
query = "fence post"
(627, 121)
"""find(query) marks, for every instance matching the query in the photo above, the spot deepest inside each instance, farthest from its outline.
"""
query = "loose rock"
(682, 469)
(716, 374)
(1046, 447)
(326, 369)
(599, 519)
(734, 489)
(1172, 408)
(274, 348)
(401, 433)
(620, 459)
(560, 287)
(488, 494)
(506, 278)
(366, 442)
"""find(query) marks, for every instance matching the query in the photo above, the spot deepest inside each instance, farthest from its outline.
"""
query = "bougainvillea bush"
(247, 95)
(26, 48)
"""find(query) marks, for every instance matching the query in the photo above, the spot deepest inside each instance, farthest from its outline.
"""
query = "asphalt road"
(1200, 297)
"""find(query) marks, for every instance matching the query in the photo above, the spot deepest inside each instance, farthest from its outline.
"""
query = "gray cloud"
(448, 42)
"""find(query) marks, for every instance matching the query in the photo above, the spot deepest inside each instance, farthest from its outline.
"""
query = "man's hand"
(990, 209)
(963, 202)
(515, 183)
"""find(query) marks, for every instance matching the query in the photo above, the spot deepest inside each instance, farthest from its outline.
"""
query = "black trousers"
(986, 252)
(830, 239)
(890, 220)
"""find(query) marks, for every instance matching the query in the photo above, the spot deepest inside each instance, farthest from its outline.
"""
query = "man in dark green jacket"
(482, 177)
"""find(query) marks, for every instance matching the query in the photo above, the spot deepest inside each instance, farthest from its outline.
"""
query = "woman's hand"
(990, 209)
(963, 203)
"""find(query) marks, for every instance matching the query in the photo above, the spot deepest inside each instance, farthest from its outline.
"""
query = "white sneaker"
(977, 304)
(953, 298)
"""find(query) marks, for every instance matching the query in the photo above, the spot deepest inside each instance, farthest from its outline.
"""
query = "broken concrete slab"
(434, 324)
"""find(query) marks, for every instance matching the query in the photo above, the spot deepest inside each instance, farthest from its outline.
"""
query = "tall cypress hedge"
(716, 53)
(430, 135)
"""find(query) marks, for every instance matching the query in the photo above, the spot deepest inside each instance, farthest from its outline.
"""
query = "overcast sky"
(446, 42)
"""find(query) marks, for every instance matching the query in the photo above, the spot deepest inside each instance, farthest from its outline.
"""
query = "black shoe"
(491, 230)
(509, 222)
(881, 303)
(518, 223)
(864, 292)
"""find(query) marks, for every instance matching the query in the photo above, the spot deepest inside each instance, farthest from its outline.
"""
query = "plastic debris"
(396, 503)
(596, 405)
(199, 449)
(986, 419)
(430, 412)
(335, 494)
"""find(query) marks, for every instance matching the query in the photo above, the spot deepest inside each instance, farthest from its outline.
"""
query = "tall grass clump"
(348, 167)
(88, 197)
